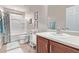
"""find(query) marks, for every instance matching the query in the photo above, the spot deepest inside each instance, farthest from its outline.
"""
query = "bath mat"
(12, 45)
(17, 50)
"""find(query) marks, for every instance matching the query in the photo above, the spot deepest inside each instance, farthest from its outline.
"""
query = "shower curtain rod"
(13, 11)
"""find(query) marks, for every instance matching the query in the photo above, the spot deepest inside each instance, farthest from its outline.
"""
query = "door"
(42, 45)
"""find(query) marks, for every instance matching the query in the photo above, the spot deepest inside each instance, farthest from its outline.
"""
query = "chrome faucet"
(60, 30)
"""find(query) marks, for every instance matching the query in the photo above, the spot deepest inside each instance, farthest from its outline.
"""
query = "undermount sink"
(59, 36)
(62, 35)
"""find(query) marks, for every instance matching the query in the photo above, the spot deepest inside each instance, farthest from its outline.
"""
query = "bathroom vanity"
(50, 42)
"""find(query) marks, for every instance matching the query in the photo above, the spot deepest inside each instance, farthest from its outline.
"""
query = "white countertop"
(66, 39)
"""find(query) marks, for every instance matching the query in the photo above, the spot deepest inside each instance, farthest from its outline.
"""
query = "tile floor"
(16, 47)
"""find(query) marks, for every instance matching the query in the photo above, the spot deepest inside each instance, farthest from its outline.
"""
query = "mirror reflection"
(72, 18)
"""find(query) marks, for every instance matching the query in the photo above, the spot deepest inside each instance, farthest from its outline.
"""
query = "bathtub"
(20, 37)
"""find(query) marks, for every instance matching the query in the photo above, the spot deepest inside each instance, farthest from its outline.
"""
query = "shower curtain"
(17, 27)
(1, 26)
(6, 25)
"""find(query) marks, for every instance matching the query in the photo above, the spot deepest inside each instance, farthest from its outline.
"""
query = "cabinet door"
(51, 45)
(42, 45)
(60, 48)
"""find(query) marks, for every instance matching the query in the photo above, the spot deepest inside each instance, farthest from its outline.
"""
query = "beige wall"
(58, 12)
(42, 16)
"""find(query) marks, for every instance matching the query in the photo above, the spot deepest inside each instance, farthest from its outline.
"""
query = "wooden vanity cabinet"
(49, 46)
(56, 47)
(42, 45)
